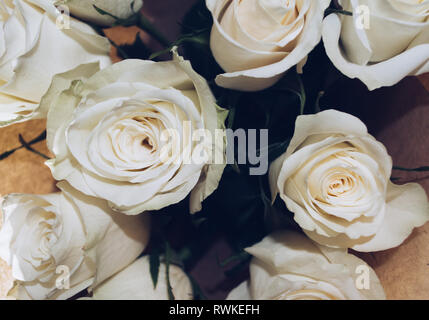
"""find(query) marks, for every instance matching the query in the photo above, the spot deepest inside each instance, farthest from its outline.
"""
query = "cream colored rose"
(385, 40)
(135, 283)
(84, 9)
(59, 244)
(257, 41)
(113, 134)
(289, 266)
(33, 48)
(335, 178)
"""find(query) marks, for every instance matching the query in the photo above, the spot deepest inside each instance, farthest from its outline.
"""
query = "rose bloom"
(257, 41)
(289, 266)
(135, 283)
(33, 48)
(46, 237)
(126, 134)
(84, 9)
(385, 40)
(335, 178)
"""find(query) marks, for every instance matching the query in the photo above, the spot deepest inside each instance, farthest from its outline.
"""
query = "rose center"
(340, 186)
(147, 143)
(45, 234)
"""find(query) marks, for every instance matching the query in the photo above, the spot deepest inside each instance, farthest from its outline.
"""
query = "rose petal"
(414, 61)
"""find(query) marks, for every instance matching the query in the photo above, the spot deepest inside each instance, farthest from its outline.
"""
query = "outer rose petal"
(135, 283)
(214, 117)
(414, 61)
(84, 9)
(114, 240)
(352, 262)
(407, 208)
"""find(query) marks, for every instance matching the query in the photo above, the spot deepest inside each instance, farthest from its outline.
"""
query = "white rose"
(135, 283)
(335, 178)
(84, 9)
(288, 266)
(33, 48)
(257, 41)
(47, 237)
(110, 134)
(393, 44)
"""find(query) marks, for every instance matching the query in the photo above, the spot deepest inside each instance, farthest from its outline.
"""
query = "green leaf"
(199, 20)
(192, 38)
(317, 104)
(243, 255)
(105, 13)
(147, 26)
(302, 94)
(275, 150)
(198, 221)
(196, 289)
(339, 11)
(167, 270)
(222, 115)
(154, 264)
(231, 118)
(233, 272)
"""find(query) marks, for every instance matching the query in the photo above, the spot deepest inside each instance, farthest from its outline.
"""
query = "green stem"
(167, 270)
(339, 11)
(121, 52)
(303, 96)
(231, 118)
(198, 293)
(238, 257)
(317, 105)
(146, 25)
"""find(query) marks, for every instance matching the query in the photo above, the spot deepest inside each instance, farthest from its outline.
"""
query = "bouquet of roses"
(228, 132)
